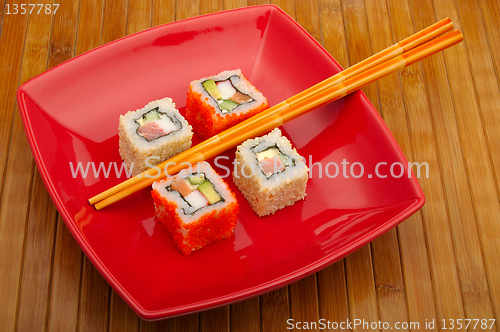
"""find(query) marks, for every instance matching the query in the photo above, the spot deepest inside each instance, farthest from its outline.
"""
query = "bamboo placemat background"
(442, 263)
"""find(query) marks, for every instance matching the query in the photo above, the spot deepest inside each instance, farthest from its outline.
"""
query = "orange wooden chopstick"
(294, 106)
(409, 43)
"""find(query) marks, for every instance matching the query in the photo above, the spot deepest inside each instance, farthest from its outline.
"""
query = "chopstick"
(407, 44)
(391, 59)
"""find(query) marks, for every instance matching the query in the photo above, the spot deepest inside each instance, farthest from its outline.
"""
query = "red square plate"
(71, 113)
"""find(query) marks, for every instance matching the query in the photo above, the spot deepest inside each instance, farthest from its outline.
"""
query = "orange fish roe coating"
(208, 228)
(207, 119)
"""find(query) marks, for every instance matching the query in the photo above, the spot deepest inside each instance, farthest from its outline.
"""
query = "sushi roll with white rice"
(152, 135)
(196, 207)
(217, 102)
(270, 173)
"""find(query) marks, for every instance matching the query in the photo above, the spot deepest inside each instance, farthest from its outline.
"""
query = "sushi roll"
(218, 102)
(152, 135)
(270, 173)
(196, 207)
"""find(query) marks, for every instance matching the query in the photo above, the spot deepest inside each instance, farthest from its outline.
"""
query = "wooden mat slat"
(19, 167)
(441, 263)
(447, 294)
(233, 4)
(475, 146)
(122, 318)
(12, 37)
(64, 299)
(466, 244)
(163, 12)
(40, 231)
(139, 16)
(245, 316)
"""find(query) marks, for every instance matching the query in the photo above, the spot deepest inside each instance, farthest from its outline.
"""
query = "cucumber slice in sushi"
(152, 115)
(196, 179)
(227, 105)
(284, 159)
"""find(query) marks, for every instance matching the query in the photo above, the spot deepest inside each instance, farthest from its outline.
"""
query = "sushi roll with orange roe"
(218, 102)
(196, 207)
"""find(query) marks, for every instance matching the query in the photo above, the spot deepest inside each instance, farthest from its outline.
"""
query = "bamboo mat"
(441, 264)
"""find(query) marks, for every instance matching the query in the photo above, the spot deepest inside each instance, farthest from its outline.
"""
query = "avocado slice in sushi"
(271, 153)
(207, 189)
(212, 89)
(267, 153)
(267, 158)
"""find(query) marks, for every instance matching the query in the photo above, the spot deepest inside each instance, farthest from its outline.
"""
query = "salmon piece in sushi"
(152, 135)
(270, 173)
(196, 207)
(218, 102)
